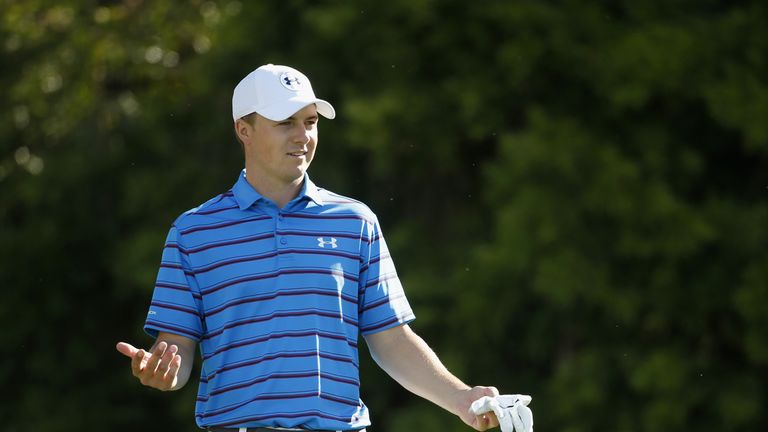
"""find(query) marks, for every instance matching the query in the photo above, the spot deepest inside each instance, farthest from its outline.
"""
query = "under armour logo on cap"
(290, 81)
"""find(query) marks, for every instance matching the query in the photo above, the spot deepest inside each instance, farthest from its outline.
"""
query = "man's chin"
(295, 177)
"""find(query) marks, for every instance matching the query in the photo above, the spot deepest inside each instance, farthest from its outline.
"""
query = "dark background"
(574, 194)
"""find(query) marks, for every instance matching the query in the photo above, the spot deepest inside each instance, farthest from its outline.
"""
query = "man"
(275, 279)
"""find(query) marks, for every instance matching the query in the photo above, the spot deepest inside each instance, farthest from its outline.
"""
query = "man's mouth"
(298, 153)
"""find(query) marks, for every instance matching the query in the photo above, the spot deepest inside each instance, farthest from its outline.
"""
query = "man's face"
(280, 151)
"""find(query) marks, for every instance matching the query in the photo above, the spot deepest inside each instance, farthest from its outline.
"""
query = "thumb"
(126, 349)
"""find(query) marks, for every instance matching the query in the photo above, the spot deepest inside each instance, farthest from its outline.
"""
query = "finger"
(492, 391)
(482, 422)
(157, 355)
(489, 420)
(173, 368)
(493, 420)
(137, 362)
(162, 367)
(126, 349)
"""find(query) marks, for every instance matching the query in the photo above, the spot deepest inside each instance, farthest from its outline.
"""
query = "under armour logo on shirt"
(322, 242)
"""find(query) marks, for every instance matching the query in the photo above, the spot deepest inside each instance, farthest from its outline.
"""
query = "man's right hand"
(158, 369)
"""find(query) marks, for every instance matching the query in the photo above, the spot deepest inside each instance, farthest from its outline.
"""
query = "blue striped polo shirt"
(276, 299)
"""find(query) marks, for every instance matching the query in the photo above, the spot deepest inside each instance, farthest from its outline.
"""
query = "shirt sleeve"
(382, 302)
(176, 301)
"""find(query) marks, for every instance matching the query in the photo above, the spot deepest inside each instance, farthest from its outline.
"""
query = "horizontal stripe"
(323, 395)
(379, 258)
(178, 267)
(320, 234)
(172, 329)
(273, 254)
(380, 325)
(328, 252)
(286, 396)
(176, 308)
(233, 324)
(342, 199)
(339, 399)
(272, 296)
(371, 240)
(275, 376)
(331, 272)
(383, 278)
(373, 261)
(269, 337)
(209, 227)
(375, 304)
(173, 286)
(227, 243)
(175, 246)
(232, 366)
(184, 288)
(327, 217)
(212, 203)
(314, 413)
(221, 197)
(252, 258)
(229, 283)
(214, 211)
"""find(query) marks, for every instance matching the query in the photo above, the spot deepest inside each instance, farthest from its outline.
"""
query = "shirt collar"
(311, 191)
(246, 195)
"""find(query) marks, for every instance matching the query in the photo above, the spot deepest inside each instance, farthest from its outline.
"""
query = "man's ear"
(241, 129)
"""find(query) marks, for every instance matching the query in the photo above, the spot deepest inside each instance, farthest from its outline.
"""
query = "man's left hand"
(464, 400)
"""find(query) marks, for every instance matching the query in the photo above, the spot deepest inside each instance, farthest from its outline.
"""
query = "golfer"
(275, 279)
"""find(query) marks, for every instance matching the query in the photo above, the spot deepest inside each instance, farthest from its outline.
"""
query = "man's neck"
(278, 192)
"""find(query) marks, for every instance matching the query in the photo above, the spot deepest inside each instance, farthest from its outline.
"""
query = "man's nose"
(301, 134)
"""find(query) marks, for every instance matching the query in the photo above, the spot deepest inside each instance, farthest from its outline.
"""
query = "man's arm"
(405, 356)
(168, 363)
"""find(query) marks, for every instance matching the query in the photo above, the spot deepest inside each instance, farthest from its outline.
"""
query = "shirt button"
(283, 241)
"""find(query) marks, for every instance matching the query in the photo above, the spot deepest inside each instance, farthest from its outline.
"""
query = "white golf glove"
(511, 410)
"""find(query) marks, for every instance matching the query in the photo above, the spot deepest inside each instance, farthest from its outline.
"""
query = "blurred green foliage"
(575, 194)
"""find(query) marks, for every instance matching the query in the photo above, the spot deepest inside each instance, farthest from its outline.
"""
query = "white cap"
(276, 92)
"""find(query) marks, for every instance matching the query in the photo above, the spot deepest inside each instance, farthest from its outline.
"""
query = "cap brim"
(282, 111)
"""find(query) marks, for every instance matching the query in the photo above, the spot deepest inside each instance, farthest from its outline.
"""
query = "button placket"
(280, 225)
